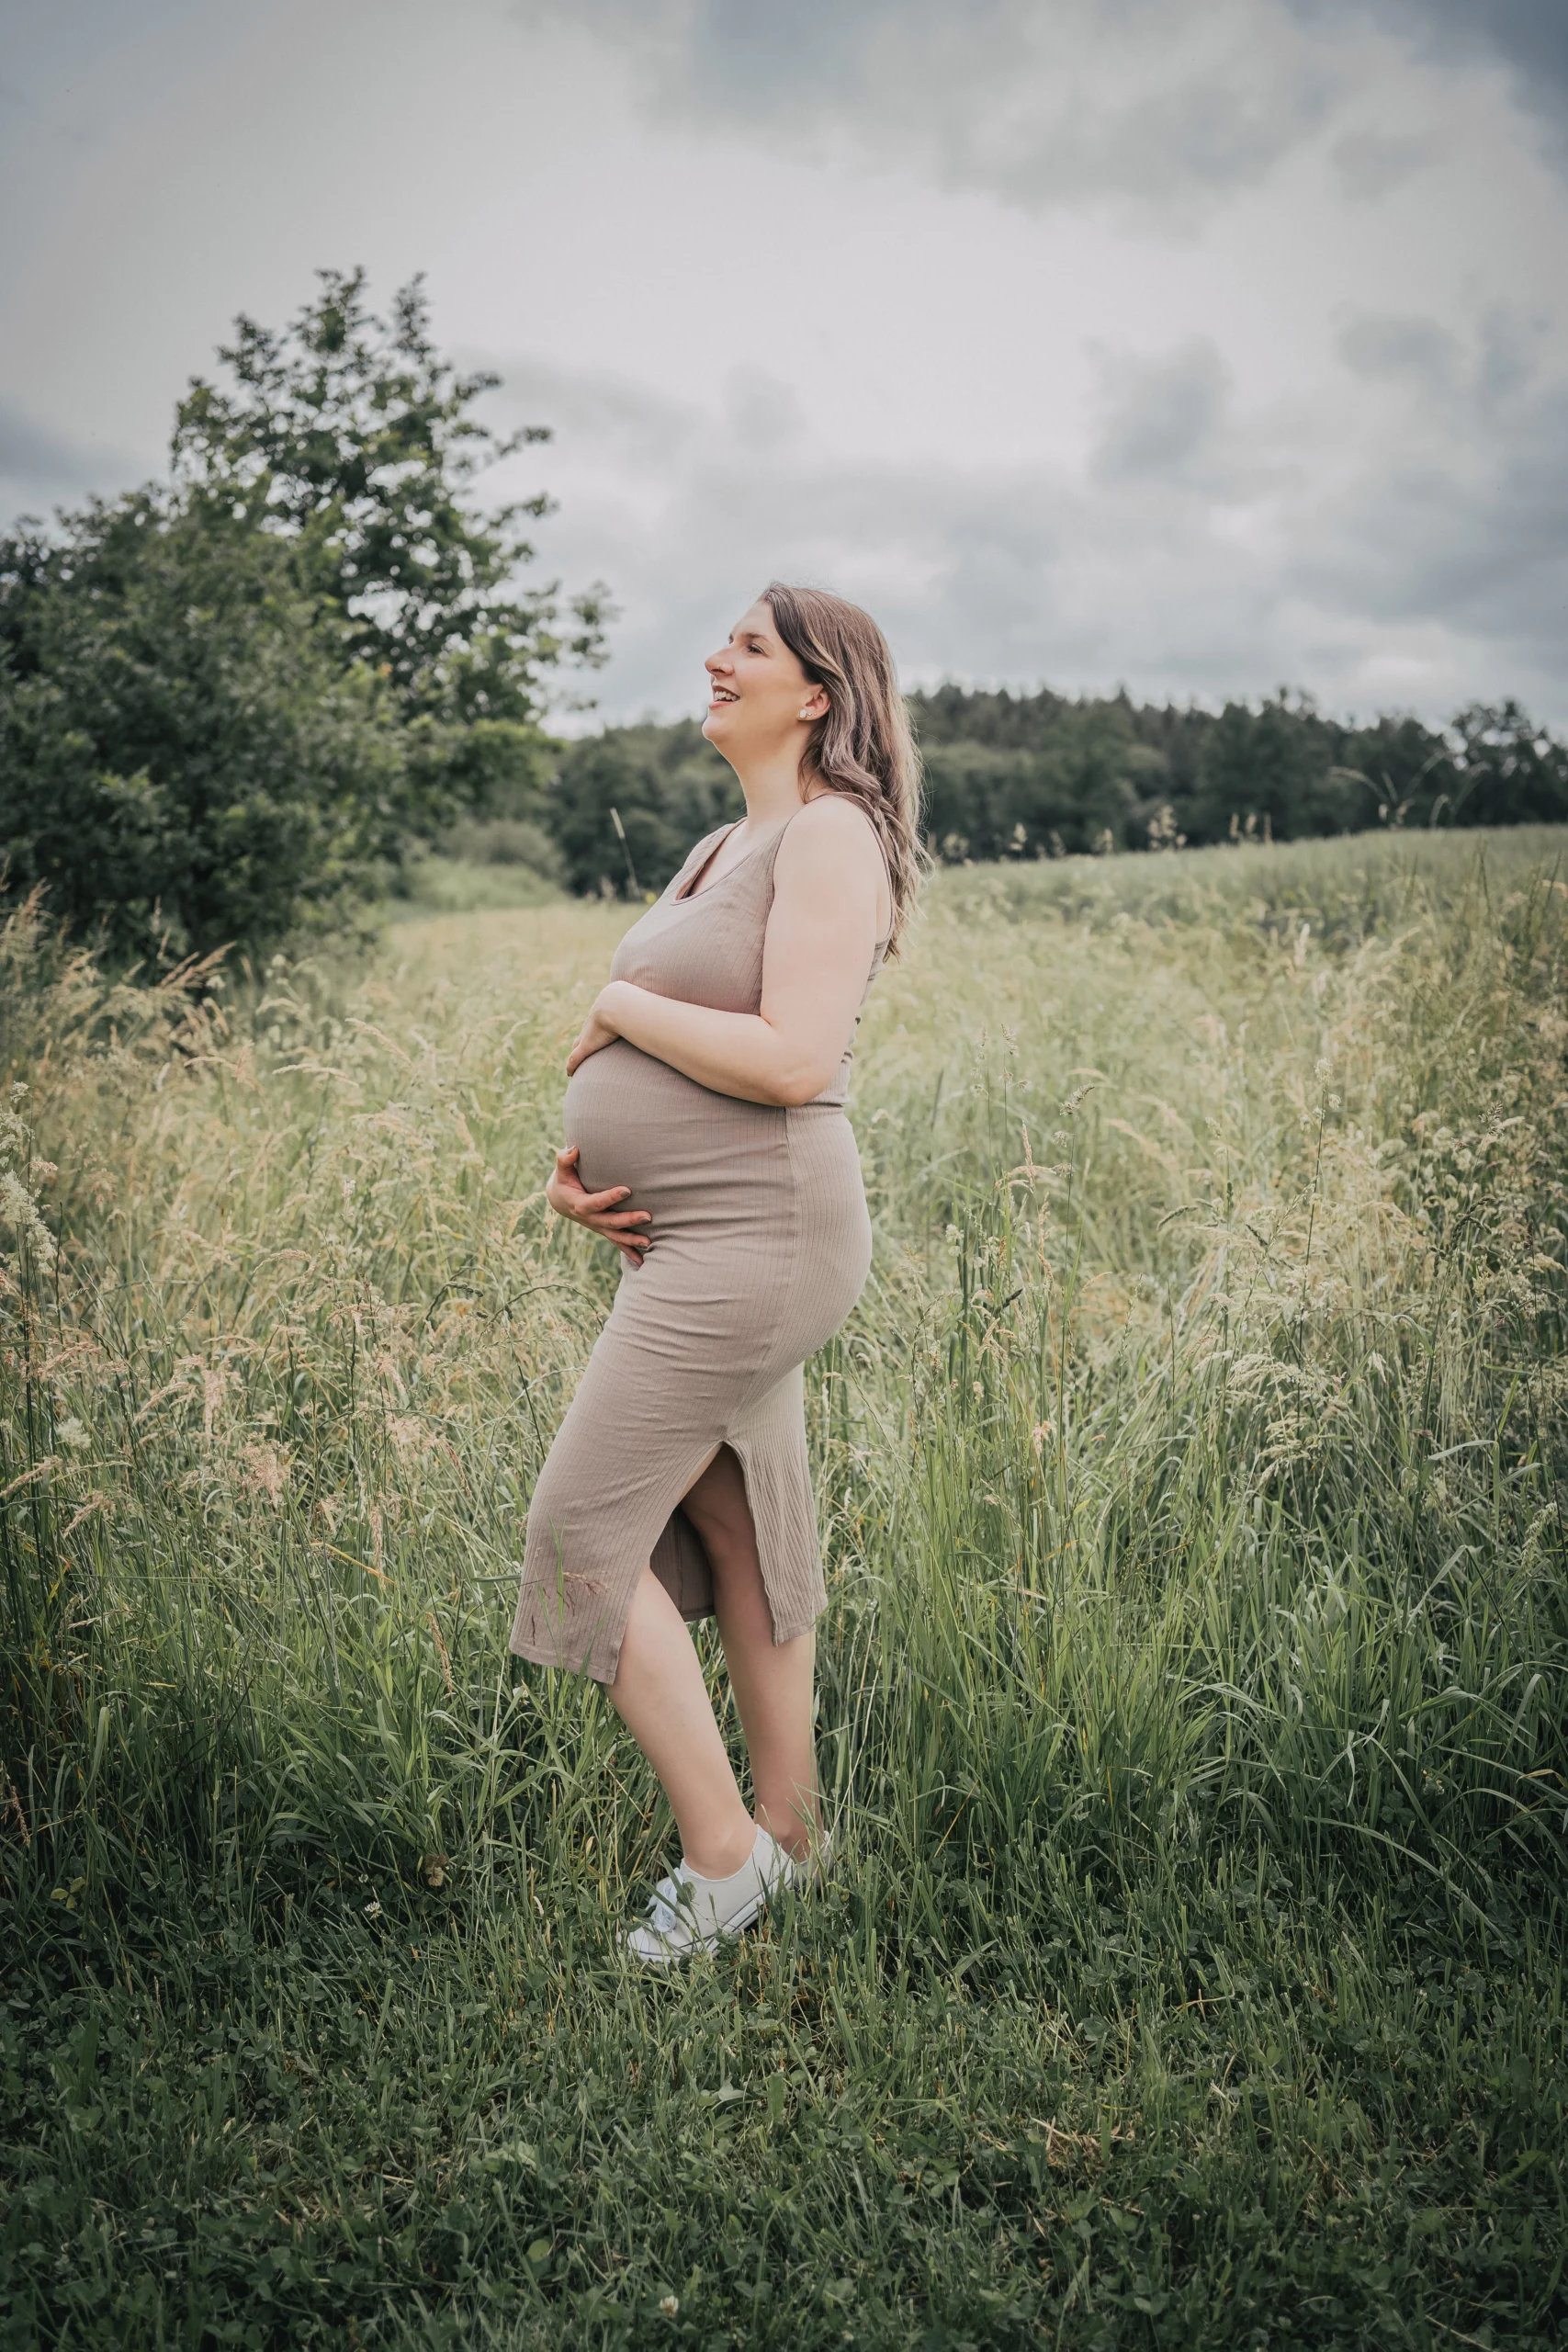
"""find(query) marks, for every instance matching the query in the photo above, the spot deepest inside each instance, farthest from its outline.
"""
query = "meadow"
(1194, 1685)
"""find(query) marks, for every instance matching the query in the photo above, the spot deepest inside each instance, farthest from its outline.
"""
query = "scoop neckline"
(690, 897)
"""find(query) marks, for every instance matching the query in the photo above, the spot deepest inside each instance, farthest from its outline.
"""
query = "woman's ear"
(815, 704)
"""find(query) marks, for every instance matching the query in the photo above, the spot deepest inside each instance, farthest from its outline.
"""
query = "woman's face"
(759, 699)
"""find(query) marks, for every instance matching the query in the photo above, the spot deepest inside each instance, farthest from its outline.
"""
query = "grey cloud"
(1389, 349)
(1512, 345)
(1161, 417)
(623, 421)
(1530, 38)
(1464, 521)
(1373, 164)
(764, 413)
(1478, 547)
(1488, 375)
(1164, 109)
(1120, 99)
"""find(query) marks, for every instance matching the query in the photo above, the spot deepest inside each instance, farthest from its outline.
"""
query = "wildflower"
(670, 2305)
(372, 1909)
(70, 1434)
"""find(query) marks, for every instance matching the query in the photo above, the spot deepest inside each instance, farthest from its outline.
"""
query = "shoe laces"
(666, 1910)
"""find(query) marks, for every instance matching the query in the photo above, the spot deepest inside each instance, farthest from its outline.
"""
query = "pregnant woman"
(705, 1137)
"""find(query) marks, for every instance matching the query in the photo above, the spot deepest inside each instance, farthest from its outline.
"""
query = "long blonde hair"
(862, 744)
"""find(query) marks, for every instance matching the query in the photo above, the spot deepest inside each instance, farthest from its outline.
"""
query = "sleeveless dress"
(760, 1246)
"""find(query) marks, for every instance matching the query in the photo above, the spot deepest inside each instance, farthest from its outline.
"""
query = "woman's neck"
(774, 792)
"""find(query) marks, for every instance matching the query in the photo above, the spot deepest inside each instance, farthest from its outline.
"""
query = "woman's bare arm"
(829, 891)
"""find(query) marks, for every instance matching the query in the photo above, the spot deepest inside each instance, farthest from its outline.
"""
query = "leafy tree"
(1404, 772)
(1084, 776)
(1276, 765)
(667, 785)
(185, 757)
(227, 702)
(1506, 771)
(352, 438)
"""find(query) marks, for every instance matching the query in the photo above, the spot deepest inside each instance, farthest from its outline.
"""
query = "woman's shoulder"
(833, 829)
(834, 824)
(832, 835)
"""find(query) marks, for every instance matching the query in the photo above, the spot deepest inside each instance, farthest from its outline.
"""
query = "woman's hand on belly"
(600, 1212)
(597, 1033)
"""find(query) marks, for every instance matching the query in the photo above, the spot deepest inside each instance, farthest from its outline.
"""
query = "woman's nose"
(718, 662)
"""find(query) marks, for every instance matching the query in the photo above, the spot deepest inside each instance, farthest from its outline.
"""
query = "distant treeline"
(1042, 775)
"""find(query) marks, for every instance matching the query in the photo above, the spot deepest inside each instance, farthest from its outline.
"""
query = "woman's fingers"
(570, 1200)
(600, 1212)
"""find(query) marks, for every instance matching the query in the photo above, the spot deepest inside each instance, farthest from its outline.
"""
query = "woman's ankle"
(721, 1857)
(795, 1836)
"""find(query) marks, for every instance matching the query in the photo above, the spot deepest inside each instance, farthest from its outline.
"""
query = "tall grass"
(1193, 1687)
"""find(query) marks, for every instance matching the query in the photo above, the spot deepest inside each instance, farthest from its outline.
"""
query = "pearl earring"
(806, 714)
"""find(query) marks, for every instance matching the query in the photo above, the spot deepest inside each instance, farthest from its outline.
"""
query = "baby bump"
(688, 1154)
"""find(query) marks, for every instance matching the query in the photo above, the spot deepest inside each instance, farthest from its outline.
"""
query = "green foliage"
(231, 705)
(1035, 775)
(667, 785)
(1194, 1682)
(351, 438)
(186, 759)
(1273, 765)
(1087, 784)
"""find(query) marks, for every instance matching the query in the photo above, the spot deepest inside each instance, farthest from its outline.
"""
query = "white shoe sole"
(674, 1957)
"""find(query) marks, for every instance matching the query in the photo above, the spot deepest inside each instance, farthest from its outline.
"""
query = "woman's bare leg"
(659, 1694)
(772, 1684)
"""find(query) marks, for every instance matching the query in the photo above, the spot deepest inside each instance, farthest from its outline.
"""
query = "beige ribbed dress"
(760, 1244)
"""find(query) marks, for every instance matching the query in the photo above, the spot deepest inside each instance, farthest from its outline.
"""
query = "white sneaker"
(690, 1913)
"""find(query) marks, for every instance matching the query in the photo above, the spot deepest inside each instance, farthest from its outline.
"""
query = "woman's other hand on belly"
(598, 1031)
(600, 1212)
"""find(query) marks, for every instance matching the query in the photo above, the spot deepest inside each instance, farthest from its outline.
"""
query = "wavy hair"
(863, 744)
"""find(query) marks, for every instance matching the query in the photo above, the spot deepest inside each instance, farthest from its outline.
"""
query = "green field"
(1194, 1695)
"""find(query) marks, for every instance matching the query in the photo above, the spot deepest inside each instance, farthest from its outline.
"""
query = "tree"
(665, 785)
(1506, 771)
(350, 437)
(229, 702)
(1075, 776)
(1276, 765)
(186, 759)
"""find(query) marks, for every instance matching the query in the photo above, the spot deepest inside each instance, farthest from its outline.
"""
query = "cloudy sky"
(1198, 345)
